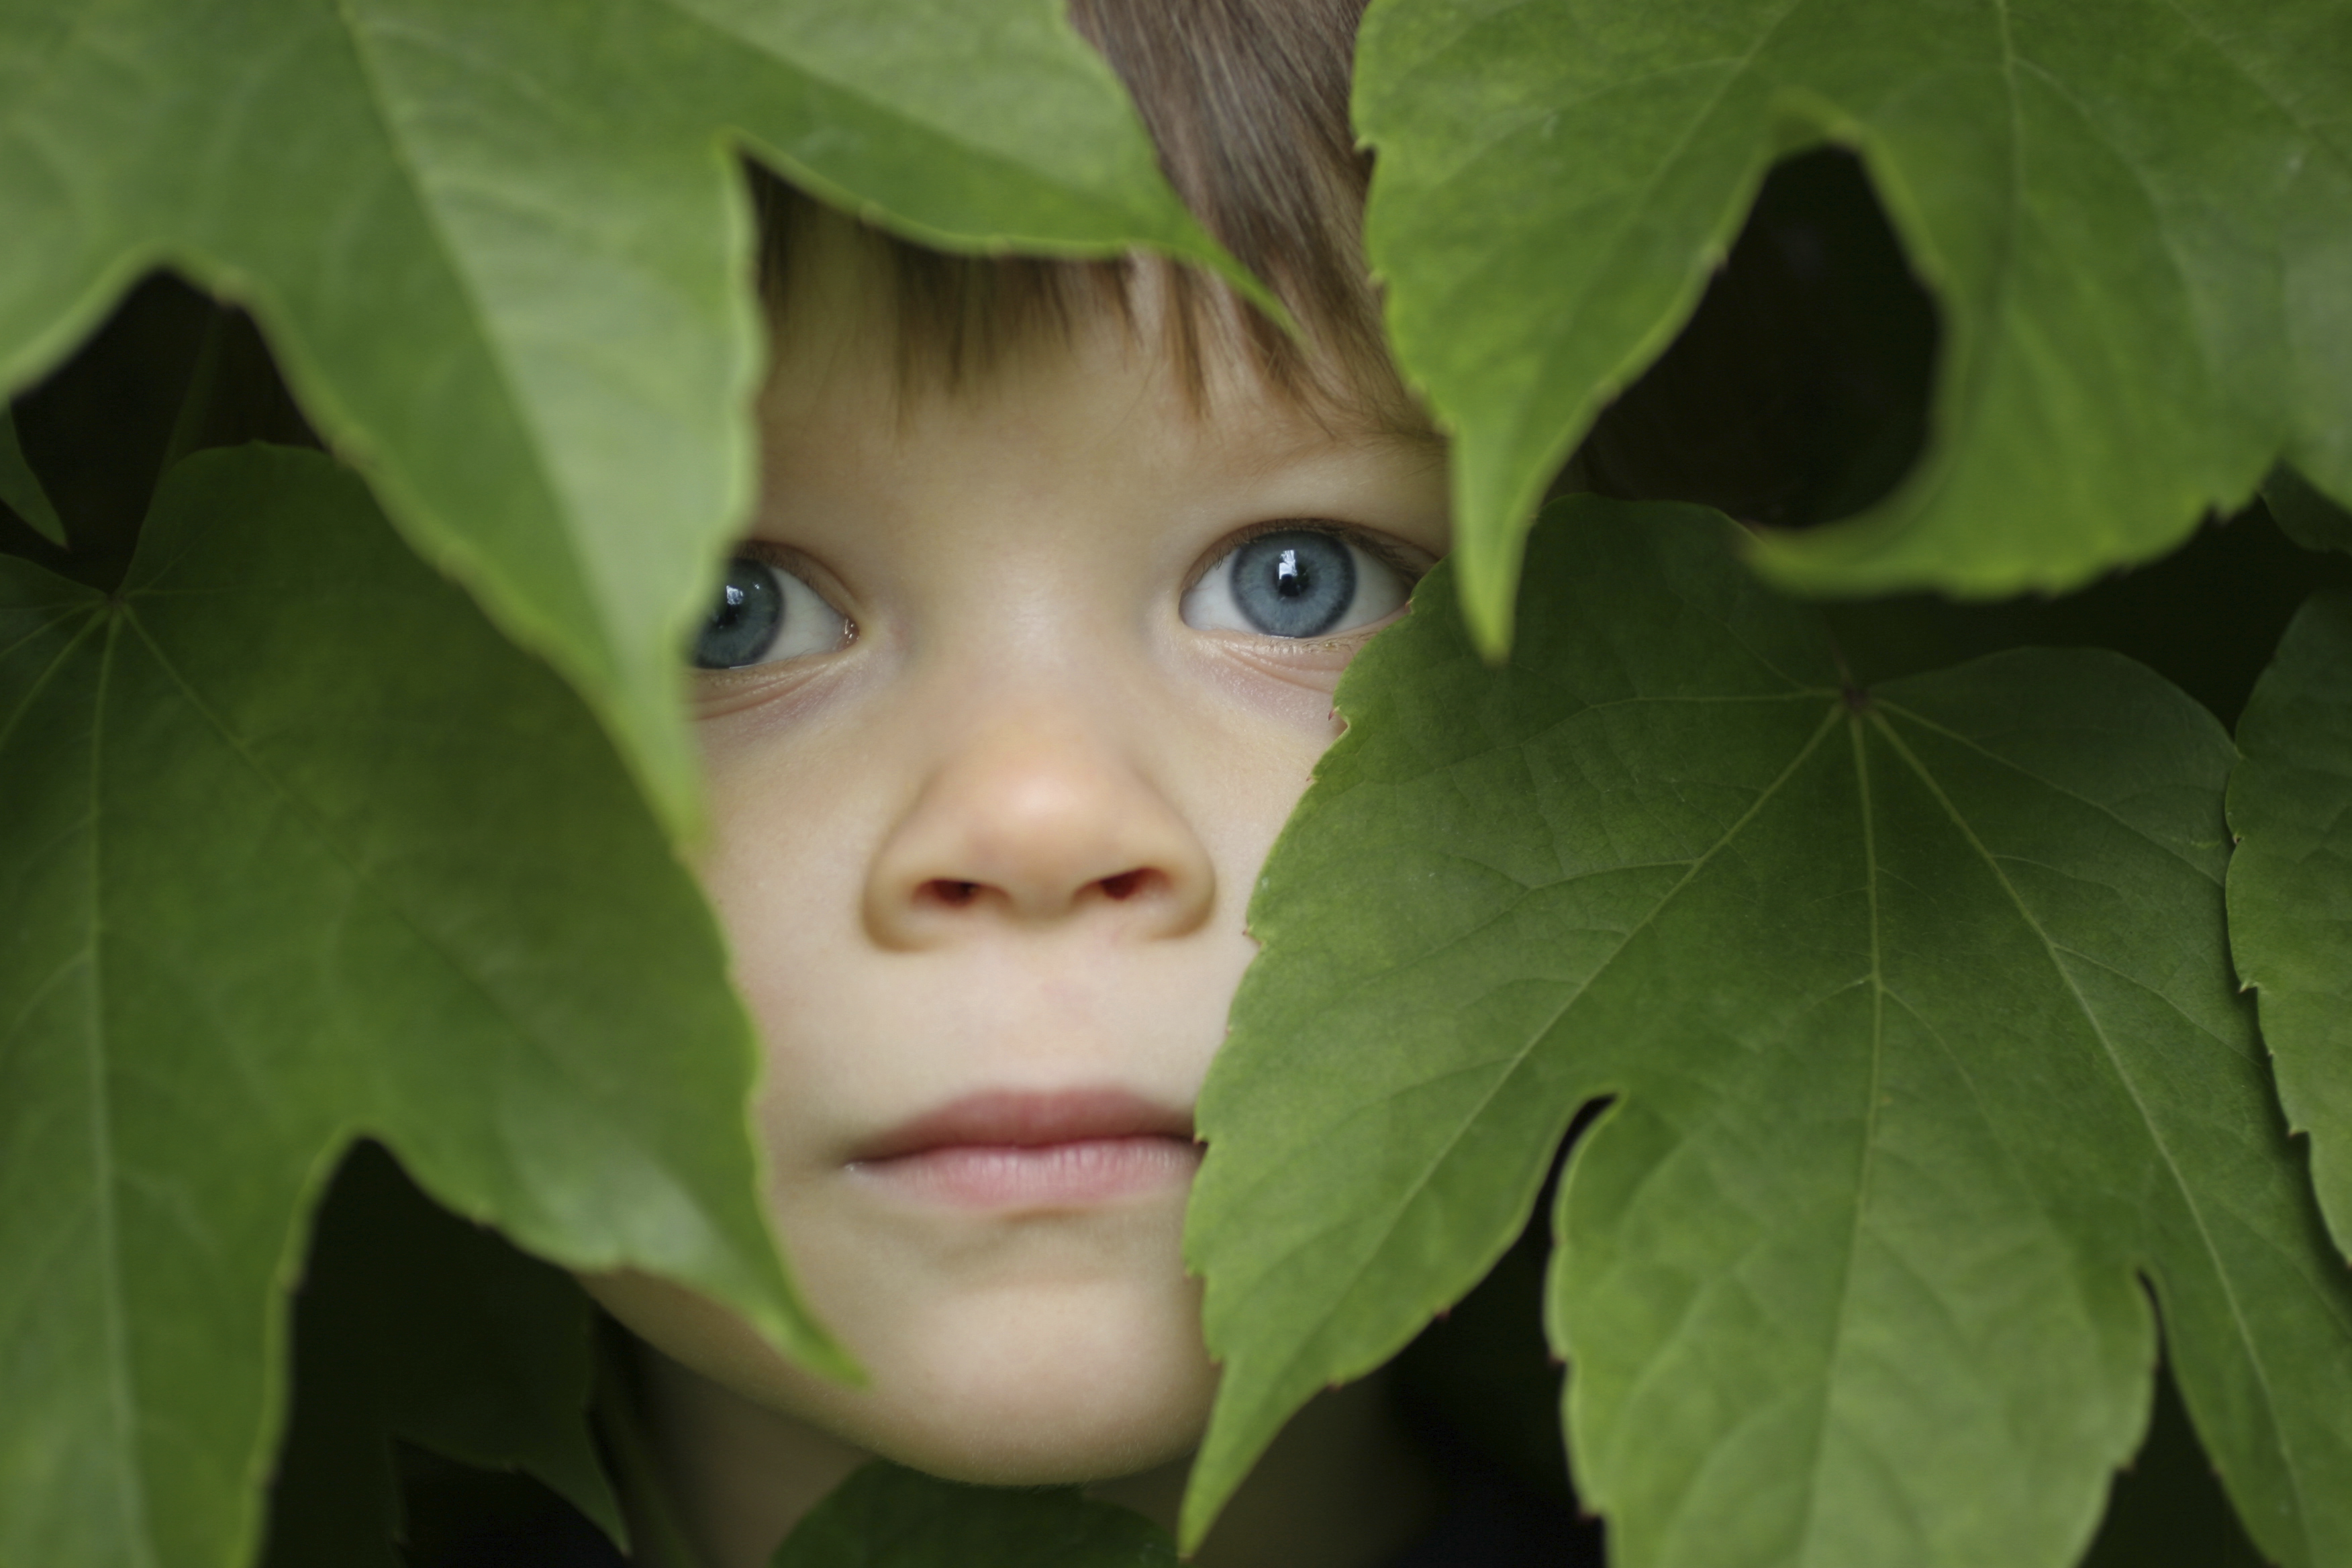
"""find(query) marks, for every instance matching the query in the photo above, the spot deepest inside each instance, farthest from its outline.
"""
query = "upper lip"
(1028, 1119)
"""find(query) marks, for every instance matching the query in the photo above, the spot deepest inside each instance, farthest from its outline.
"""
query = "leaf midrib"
(461, 543)
(1868, 1163)
(120, 1396)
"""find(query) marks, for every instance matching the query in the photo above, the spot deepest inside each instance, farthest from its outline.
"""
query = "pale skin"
(987, 830)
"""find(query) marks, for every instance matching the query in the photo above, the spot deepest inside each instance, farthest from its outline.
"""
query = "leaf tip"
(1485, 591)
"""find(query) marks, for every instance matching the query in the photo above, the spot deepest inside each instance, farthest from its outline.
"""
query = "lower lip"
(1075, 1175)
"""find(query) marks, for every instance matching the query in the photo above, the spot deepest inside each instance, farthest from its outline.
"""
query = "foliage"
(2132, 216)
(414, 1325)
(885, 1517)
(298, 849)
(1965, 1057)
(548, 208)
(2291, 883)
(1888, 962)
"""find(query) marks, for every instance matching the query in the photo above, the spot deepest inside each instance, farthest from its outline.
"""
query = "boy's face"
(984, 861)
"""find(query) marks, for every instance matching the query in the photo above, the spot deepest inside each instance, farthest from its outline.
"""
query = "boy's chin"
(1012, 1436)
(1009, 1388)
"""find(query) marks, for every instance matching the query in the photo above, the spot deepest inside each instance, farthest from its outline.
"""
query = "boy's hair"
(1248, 103)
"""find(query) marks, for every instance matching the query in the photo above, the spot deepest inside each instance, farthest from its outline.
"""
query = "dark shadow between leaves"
(1799, 391)
(170, 371)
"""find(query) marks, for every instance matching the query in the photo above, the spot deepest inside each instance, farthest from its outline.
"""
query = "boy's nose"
(1034, 823)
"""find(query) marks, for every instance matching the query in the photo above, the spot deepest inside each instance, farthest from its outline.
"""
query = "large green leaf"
(2290, 884)
(414, 1325)
(294, 848)
(2137, 215)
(501, 250)
(1916, 1011)
(885, 1517)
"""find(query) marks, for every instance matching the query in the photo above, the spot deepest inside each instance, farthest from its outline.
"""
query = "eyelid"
(1411, 563)
(804, 566)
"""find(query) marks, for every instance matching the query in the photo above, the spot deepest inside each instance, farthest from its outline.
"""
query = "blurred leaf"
(1918, 1020)
(20, 488)
(413, 1324)
(2137, 217)
(2308, 518)
(885, 1517)
(293, 849)
(2290, 884)
(501, 250)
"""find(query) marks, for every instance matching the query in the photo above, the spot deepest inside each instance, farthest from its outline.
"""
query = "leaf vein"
(121, 1400)
(2181, 1184)
(1868, 1162)
(1519, 1059)
(2102, 807)
(520, 1028)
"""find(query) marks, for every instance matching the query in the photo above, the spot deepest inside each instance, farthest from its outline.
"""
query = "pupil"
(1295, 584)
(743, 624)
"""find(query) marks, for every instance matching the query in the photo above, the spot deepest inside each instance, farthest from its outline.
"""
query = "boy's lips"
(1011, 1149)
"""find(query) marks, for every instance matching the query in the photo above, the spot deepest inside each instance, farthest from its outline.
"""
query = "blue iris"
(1294, 583)
(743, 624)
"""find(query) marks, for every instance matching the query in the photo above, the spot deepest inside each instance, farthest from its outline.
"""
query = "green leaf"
(293, 849)
(885, 1517)
(413, 1324)
(2304, 514)
(2137, 215)
(1916, 1012)
(2291, 883)
(501, 251)
(20, 488)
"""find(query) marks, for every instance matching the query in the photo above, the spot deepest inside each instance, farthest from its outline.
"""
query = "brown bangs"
(1248, 103)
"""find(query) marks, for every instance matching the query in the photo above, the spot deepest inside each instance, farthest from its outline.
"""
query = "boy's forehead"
(842, 337)
(1103, 420)
(1103, 375)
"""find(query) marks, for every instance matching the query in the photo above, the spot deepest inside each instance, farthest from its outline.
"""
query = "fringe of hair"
(1247, 101)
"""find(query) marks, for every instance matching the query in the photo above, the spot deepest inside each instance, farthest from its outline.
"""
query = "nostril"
(953, 894)
(1124, 886)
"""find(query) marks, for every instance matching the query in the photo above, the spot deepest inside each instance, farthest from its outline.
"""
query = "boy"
(1026, 660)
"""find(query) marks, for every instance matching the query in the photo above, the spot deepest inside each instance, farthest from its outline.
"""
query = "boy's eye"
(764, 614)
(1294, 583)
